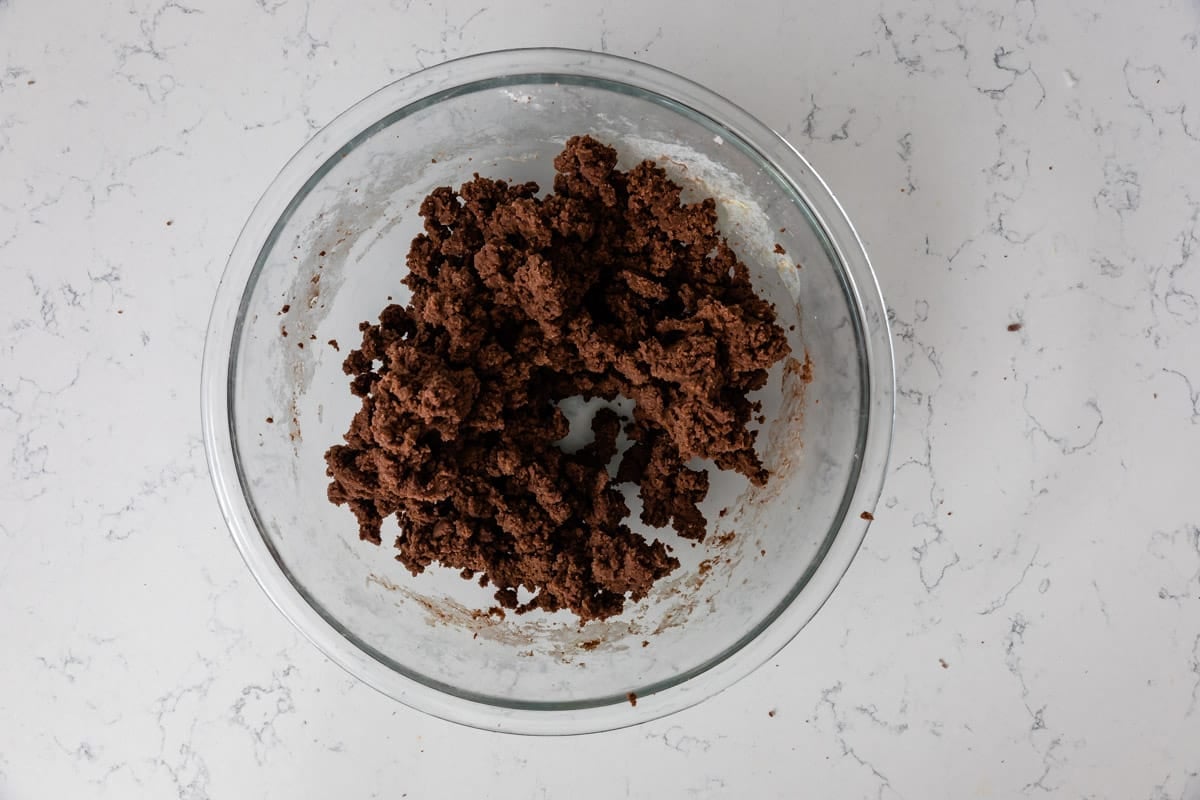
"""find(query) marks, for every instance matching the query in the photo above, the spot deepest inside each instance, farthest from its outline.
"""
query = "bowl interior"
(335, 258)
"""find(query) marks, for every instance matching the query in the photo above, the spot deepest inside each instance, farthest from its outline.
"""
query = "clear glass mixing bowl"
(324, 250)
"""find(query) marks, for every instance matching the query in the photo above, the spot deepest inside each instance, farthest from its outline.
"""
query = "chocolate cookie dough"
(606, 287)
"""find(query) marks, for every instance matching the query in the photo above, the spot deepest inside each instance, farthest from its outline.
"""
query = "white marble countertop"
(1024, 618)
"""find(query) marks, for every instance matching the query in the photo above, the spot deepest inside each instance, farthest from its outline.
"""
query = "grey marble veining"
(1024, 617)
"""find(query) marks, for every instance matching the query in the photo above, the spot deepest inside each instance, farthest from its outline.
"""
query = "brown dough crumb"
(779, 249)
(270, 420)
(868, 516)
(334, 344)
(607, 287)
(286, 308)
(170, 222)
(771, 713)
(645, 643)
(944, 663)
(632, 698)
(1013, 327)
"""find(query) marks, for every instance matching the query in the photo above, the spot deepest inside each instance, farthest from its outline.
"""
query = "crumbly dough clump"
(606, 287)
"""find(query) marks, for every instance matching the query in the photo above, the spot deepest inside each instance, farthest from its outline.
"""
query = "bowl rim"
(831, 223)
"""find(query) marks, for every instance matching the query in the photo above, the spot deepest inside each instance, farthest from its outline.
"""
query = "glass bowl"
(323, 251)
